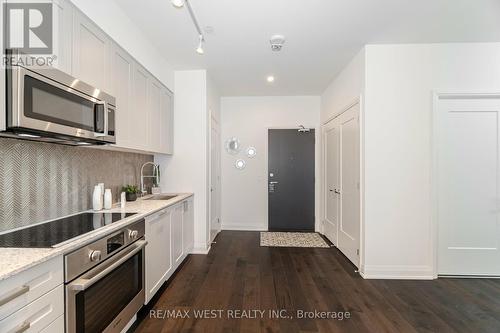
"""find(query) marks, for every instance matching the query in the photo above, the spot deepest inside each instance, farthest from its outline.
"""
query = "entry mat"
(292, 239)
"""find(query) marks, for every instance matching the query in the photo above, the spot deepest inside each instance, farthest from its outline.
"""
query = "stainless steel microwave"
(49, 105)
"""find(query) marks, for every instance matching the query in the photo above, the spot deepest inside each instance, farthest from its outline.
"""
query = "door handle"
(83, 283)
(106, 124)
(273, 182)
(337, 191)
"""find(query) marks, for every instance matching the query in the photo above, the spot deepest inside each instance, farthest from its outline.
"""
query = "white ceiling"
(322, 36)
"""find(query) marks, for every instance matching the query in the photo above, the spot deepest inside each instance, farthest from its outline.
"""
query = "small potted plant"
(130, 192)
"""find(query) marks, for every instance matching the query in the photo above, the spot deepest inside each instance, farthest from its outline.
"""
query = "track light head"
(177, 3)
(199, 49)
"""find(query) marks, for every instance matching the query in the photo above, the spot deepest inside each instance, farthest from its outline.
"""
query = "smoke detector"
(277, 42)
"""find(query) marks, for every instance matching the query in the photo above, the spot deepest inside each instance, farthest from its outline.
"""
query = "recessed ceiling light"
(177, 3)
(270, 79)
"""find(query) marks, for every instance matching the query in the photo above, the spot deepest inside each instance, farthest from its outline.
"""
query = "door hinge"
(357, 252)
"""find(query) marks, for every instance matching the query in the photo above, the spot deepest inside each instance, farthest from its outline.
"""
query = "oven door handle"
(82, 284)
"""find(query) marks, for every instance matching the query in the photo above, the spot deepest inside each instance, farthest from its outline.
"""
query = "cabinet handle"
(14, 294)
(24, 327)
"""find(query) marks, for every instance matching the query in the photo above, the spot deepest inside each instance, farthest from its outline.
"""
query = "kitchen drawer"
(37, 315)
(25, 287)
(57, 326)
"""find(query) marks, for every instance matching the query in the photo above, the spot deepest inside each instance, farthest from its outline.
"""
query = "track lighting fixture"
(187, 4)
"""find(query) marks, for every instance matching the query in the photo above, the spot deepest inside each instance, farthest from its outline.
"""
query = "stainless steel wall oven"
(105, 282)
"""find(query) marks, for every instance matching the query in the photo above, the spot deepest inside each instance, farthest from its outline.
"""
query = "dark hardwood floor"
(238, 274)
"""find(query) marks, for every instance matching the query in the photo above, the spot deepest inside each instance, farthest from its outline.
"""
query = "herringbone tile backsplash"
(43, 181)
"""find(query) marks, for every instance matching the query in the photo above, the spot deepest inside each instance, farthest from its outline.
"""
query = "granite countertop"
(16, 260)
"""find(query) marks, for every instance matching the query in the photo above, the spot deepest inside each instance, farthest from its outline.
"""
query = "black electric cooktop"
(57, 231)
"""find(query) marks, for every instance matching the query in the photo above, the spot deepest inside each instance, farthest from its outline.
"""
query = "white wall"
(244, 193)
(186, 169)
(345, 88)
(400, 80)
(113, 21)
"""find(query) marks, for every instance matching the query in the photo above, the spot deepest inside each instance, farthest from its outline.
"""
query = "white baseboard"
(244, 227)
(200, 249)
(397, 272)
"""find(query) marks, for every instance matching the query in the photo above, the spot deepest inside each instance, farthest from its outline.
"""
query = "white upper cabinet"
(167, 122)
(140, 113)
(62, 13)
(91, 50)
(155, 113)
(144, 110)
(121, 74)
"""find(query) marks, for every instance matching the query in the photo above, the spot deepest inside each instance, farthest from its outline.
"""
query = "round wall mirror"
(251, 152)
(240, 164)
(233, 146)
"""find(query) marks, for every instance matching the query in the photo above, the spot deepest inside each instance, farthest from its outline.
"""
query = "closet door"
(349, 226)
(331, 174)
(341, 138)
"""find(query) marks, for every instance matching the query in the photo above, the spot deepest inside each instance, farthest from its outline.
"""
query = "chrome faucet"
(156, 175)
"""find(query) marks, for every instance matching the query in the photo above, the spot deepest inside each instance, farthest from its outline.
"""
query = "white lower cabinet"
(57, 326)
(25, 287)
(178, 250)
(170, 236)
(158, 251)
(37, 315)
(188, 226)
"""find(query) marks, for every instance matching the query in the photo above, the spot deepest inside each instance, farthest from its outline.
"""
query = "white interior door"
(332, 171)
(467, 186)
(215, 225)
(342, 179)
(349, 222)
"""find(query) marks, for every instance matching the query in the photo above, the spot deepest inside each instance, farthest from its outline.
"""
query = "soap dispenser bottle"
(97, 198)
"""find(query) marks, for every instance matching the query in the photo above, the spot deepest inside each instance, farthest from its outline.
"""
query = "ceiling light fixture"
(270, 79)
(199, 49)
(181, 3)
(177, 3)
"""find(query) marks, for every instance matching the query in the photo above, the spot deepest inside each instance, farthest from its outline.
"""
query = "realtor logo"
(28, 27)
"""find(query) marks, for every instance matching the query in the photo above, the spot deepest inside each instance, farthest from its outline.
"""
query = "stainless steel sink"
(161, 197)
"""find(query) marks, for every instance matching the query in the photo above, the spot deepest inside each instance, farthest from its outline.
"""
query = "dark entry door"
(291, 180)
